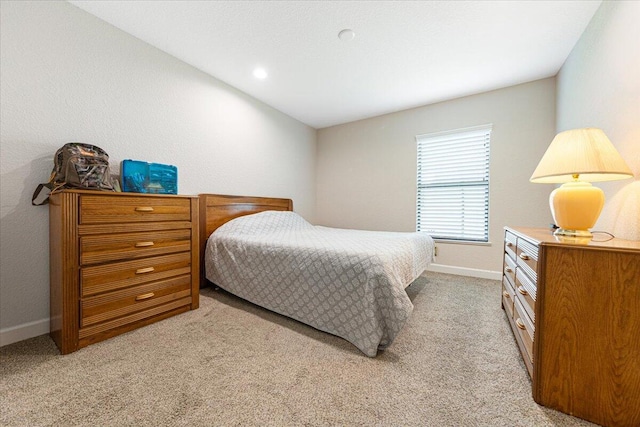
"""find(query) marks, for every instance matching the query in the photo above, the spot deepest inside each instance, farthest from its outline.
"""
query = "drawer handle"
(524, 256)
(508, 270)
(145, 270)
(505, 294)
(145, 296)
(143, 244)
(522, 291)
(144, 209)
(520, 324)
(509, 244)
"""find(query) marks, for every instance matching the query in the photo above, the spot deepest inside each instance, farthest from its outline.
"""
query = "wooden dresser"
(119, 261)
(574, 307)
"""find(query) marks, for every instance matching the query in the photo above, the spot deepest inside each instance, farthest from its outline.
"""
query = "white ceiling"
(405, 53)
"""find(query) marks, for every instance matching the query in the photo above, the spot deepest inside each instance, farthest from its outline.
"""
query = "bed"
(349, 283)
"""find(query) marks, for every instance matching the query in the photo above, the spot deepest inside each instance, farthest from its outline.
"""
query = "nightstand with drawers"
(574, 308)
(119, 261)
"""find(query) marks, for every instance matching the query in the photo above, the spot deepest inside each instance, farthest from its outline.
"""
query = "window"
(453, 184)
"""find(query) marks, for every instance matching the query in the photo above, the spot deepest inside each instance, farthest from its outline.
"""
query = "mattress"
(350, 283)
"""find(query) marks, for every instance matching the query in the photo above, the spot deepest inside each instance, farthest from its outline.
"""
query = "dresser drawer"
(527, 258)
(524, 328)
(114, 276)
(510, 243)
(526, 293)
(507, 296)
(111, 305)
(101, 209)
(510, 268)
(511, 285)
(90, 333)
(101, 248)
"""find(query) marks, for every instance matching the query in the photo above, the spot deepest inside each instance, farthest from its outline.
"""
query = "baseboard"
(463, 271)
(23, 332)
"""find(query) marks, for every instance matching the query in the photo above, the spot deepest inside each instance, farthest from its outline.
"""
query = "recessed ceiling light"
(346, 35)
(260, 73)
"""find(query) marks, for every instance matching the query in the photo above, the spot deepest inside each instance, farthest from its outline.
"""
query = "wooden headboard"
(217, 209)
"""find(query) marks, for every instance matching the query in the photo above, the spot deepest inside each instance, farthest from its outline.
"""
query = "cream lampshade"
(574, 158)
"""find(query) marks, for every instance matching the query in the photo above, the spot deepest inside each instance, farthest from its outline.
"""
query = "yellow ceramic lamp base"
(575, 207)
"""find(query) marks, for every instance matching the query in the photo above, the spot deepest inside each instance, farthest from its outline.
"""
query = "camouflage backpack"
(77, 165)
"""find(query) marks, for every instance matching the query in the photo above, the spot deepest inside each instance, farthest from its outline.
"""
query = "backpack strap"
(39, 189)
(53, 188)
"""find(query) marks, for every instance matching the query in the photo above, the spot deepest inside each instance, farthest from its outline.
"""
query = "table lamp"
(574, 158)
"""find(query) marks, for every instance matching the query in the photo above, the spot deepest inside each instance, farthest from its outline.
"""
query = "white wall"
(367, 169)
(68, 76)
(599, 86)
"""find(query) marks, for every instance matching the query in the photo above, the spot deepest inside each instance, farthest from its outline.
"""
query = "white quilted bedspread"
(349, 283)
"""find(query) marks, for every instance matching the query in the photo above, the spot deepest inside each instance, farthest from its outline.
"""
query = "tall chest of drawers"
(119, 261)
(574, 308)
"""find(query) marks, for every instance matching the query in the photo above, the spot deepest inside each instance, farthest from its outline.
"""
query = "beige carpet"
(232, 363)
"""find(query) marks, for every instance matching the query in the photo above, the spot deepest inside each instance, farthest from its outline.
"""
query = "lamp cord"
(603, 232)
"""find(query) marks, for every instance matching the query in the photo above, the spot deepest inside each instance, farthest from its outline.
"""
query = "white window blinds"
(453, 184)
